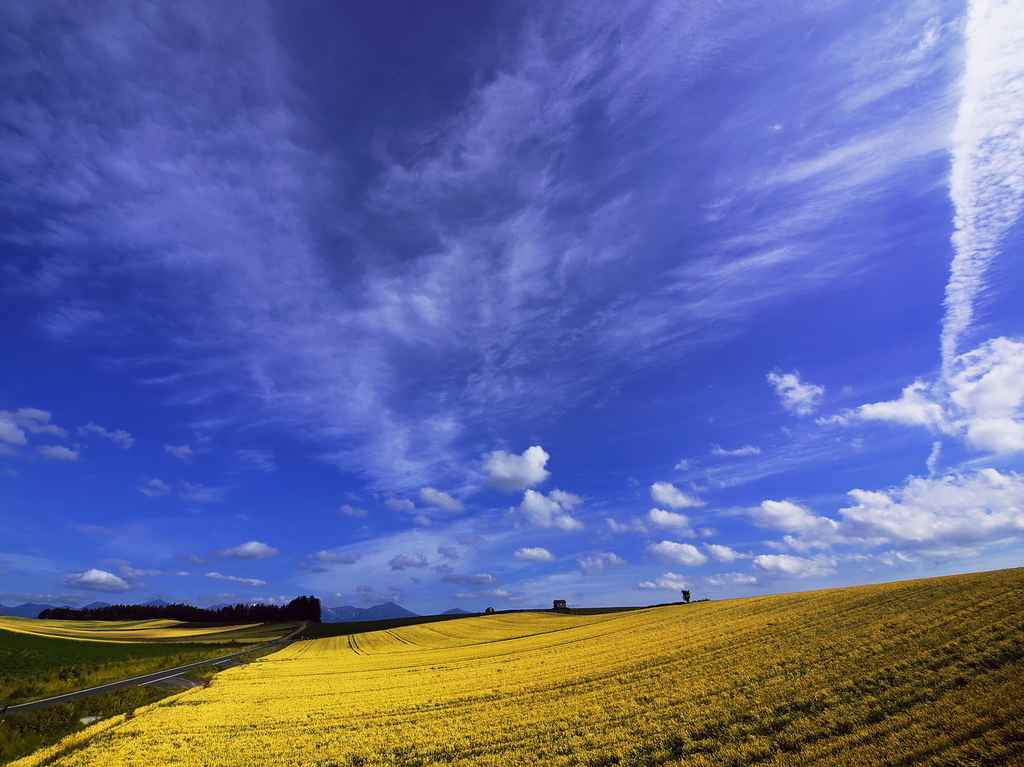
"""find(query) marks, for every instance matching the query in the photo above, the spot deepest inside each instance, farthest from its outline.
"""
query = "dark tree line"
(299, 609)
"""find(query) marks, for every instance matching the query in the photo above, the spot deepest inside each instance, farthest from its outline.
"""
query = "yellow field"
(915, 673)
(147, 631)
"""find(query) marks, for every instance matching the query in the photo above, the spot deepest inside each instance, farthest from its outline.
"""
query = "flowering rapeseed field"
(913, 673)
(147, 630)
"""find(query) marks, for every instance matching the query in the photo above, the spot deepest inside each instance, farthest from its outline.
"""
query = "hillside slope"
(924, 672)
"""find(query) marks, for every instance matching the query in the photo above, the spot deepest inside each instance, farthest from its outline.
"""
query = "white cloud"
(670, 495)
(118, 436)
(134, 574)
(97, 580)
(683, 465)
(740, 451)
(789, 517)
(797, 396)
(422, 520)
(960, 510)
(59, 453)
(402, 561)
(724, 553)
(600, 562)
(550, 511)
(535, 554)
(235, 579)
(399, 504)
(184, 452)
(635, 525)
(941, 518)
(197, 493)
(448, 552)
(154, 487)
(260, 460)
(476, 579)
(499, 593)
(987, 174)
(324, 556)
(352, 511)
(252, 550)
(465, 597)
(671, 520)
(432, 497)
(667, 581)
(787, 565)
(731, 579)
(981, 400)
(350, 559)
(516, 472)
(677, 553)
(14, 424)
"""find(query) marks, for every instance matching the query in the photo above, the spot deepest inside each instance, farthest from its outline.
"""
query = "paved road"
(145, 679)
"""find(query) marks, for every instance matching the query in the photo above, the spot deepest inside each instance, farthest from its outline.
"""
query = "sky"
(488, 304)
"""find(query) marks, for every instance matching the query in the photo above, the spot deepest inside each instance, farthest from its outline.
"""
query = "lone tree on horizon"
(686, 596)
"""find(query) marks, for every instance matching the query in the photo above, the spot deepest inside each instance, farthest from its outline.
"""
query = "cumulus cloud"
(670, 495)
(324, 556)
(184, 452)
(552, 510)
(235, 579)
(448, 552)
(516, 472)
(936, 516)
(731, 579)
(724, 553)
(981, 400)
(14, 424)
(443, 501)
(789, 517)
(796, 395)
(477, 579)
(635, 525)
(197, 493)
(671, 520)
(352, 511)
(787, 565)
(135, 574)
(97, 580)
(192, 559)
(535, 554)
(154, 488)
(677, 553)
(599, 562)
(119, 437)
(252, 550)
(399, 504)
(667, 581)
(402, 561)
(59, 453)
(740, 451)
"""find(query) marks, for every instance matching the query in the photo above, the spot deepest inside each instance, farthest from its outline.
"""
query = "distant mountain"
(152, 603)
(457, 611)
(27, 610)
(348, 614)
(96, 605)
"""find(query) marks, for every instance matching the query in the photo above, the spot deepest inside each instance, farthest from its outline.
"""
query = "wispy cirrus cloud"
(520, 243)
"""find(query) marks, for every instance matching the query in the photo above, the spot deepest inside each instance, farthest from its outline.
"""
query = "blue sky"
(489, 304)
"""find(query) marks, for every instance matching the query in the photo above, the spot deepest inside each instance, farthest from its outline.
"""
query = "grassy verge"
(23, 733)
(34, 667)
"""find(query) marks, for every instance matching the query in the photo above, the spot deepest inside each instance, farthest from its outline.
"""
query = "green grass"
(33, 667)
(22, 733)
